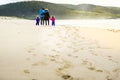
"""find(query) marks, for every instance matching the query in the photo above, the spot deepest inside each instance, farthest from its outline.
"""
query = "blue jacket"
(42, 12)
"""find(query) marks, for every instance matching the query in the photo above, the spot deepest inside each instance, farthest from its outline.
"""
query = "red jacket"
(52, 19)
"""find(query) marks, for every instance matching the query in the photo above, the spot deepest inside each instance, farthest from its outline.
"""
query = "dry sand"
(29, 52)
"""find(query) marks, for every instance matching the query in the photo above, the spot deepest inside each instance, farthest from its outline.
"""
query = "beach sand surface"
(30, 52)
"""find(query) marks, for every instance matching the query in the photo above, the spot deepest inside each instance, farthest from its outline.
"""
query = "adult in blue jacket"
(42, 15)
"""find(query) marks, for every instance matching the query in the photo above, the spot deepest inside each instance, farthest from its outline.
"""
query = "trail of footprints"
(66, 64)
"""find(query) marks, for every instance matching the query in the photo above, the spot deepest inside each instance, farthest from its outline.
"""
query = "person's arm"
(48, 15)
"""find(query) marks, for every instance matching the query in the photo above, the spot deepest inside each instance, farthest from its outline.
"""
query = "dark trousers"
(42, 21)
(47, 22)
(37, 23)
(53, 23)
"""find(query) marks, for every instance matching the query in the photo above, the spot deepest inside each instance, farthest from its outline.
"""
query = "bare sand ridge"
(29, 52)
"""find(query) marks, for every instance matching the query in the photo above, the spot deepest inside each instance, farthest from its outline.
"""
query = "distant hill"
(100, 11)
(94, 8)
(30, 9)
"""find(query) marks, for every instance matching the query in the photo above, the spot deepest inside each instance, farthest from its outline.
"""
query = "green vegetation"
(30, 9)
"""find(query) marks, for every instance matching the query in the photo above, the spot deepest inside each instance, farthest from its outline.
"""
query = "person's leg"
(48, 21)
(41, 21)
(53, 23)
(45, 22)
(38, 22)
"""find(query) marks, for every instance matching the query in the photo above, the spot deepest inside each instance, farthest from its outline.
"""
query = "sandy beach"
(30, 52)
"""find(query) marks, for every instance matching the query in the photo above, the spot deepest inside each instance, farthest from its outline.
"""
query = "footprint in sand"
(67, 77)
(28, 59)
(34, 79)
(54, 58)
(67, 66)
(81, 48)
(82, 37)
(39, 63)
(108, 78)
(30, 50)
(62, 69)
(110, 58)
(34, 54)
(91, 68)
(60, 72)
(26, 71)
(99, 70)
(76, 50)
(94, 69)
(76, 56)
(72, 56)
(113, 30)
(54, 50)
(93, 53)
(69, 55)
(116, 70)
(86, 62)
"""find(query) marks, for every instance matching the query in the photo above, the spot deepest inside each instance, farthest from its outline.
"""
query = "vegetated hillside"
(95, 10)
(30, 9)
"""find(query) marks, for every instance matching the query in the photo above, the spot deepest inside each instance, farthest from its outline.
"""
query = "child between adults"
(53, 20)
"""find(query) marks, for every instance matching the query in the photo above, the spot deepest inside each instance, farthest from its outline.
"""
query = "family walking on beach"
(45, 17)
